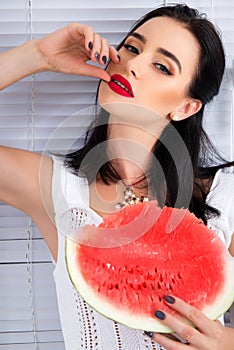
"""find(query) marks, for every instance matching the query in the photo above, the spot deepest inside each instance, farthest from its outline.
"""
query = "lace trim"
(88, 335)
(118, 336)
(90, 339)
(83, 327)
(78, 218)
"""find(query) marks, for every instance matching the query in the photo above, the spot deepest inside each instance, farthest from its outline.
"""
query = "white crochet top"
(83, 327)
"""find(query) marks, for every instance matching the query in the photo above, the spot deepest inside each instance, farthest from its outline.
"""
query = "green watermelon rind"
(221, 305)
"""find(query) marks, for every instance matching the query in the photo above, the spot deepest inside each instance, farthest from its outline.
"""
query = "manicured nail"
(169, 299)
(96, 55)
(90, 45)
(149, 334)
(160, 315)
(119, 57)
(104, 59)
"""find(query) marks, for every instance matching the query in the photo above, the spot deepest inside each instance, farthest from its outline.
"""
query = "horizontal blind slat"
(57, 98)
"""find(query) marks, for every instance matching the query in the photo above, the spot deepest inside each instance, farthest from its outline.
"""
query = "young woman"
(153, 93)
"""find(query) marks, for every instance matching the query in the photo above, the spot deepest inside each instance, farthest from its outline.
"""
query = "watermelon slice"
(176, 254)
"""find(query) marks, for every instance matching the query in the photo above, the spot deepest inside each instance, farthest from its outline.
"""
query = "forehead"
(173, 36)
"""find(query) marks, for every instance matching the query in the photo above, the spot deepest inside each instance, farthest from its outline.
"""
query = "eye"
(131, 48)
(163, 68)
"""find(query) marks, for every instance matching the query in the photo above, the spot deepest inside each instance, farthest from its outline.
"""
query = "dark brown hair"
(182, 187)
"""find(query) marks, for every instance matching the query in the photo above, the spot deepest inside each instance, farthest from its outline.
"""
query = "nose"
(136, 66)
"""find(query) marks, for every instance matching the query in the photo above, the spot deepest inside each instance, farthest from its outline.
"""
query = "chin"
(106, 95)
(129, 111)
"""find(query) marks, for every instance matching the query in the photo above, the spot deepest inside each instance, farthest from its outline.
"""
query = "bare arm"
(25, 183)
(19, 62)
(25, 177)
(66, 50)
(231, 247)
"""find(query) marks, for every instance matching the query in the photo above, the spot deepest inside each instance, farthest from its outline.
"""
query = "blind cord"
(29, 257)
(212, 11)
(31, 129)
(232, 118)
(31, 146)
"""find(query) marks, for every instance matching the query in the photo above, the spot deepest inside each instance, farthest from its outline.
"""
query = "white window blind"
(31, 110)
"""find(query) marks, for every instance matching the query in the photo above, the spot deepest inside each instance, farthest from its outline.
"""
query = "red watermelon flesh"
(178, 255)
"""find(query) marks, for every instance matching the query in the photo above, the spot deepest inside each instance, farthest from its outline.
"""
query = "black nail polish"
(119, 57)
(160, 315)
(169, 299)
(104, 59)
(90, 45)
(96, 55)
(149, 334)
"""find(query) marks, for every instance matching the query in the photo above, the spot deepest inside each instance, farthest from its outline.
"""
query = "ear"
(190, 107)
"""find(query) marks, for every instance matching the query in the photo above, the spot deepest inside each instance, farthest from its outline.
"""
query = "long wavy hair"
(176, 185)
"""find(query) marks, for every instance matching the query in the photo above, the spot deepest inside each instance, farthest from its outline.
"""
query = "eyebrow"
(138, 36)
(161, 50)
(171, 56)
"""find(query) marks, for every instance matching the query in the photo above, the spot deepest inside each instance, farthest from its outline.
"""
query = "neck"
(129, 149)
(132, 133)
(130, 144)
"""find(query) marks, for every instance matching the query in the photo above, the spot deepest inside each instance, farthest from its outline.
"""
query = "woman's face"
(158, 61)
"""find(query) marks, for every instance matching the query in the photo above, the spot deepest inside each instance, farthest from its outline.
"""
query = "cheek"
(164, 98)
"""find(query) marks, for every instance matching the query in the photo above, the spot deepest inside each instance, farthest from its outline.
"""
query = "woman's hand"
(68, 49)
(209, 335)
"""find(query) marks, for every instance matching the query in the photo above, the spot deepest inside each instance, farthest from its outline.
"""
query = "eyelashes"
(159, 66)
(163, 68)
(131, 48)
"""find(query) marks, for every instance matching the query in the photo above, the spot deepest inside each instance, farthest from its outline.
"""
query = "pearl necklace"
(130, 197)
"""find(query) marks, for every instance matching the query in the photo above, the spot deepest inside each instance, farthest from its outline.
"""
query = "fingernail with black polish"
(104, 59)
(96, 55)
(149, 334)
(90, 45)
(169, 299)
(160, 315)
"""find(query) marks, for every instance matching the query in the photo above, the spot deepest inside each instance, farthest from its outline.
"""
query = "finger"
(114, 54)
(104, 53)
(205, 325)
(95, 72)
(184, 330)
(170, 344)
(89, 38)
(173, 336)
(95, 54)
(79, 30)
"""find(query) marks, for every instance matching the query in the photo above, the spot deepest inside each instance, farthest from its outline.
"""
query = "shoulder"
(70, 195)
(21, 173)
(25, 183)
(221, 197)
(222, 187)
(68, 188)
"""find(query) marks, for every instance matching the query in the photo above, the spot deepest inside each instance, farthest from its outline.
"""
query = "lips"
(120, 85)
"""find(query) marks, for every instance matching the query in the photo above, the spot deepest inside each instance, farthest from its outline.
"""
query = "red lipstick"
(120, 85)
